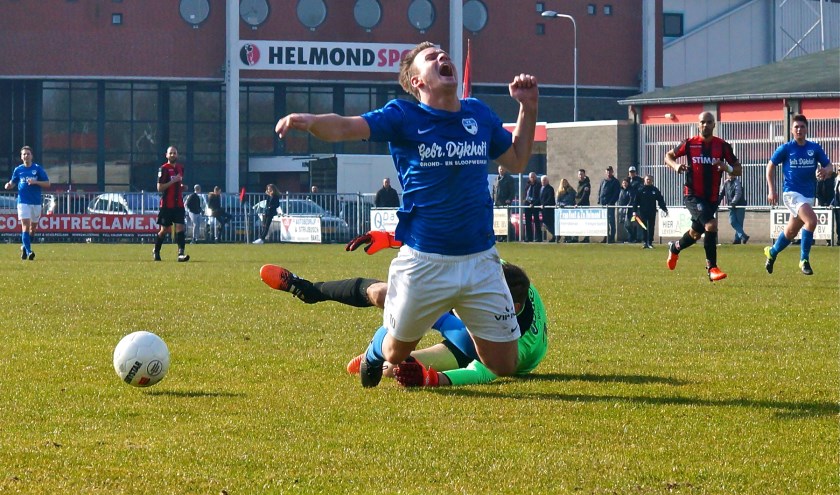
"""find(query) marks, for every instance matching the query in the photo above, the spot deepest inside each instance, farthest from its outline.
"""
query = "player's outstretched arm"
(524, 90)
(327, 127)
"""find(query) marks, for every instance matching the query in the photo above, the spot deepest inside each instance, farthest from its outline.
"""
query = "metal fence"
(342, 216)
(753, 142)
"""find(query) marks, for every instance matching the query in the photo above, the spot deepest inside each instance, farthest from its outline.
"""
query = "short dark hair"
(517, 281)
(26, 148)
(800, 118)
(582, 170)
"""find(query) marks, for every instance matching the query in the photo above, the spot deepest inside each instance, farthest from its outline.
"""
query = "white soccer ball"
(141, 359)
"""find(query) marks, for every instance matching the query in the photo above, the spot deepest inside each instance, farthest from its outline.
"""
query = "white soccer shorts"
(29, 212)
(793, 201)
(423, 286)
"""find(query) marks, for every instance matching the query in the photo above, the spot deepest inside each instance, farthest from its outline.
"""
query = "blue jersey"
(799, 165)
(28, 195)
(441, 159)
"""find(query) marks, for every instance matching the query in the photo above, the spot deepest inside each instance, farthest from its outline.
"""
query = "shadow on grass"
(633, 379)
(784, 409)
(188, 394)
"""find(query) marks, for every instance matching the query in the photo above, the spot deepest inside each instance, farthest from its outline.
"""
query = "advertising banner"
(779, 217)
(300, 229)
(321, 56)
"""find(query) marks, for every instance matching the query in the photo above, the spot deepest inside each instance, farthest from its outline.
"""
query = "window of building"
(194, 12)
(672, 25)
(116, 19)
(591, 9)
(540, 29)
(253, 12)
(421, 14)
(367, 13)
(540, 7)
(608, 9)
(311, 13)
(475, 15)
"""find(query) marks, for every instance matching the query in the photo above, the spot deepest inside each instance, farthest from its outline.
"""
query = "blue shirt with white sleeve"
(441, 160)
(799, 166)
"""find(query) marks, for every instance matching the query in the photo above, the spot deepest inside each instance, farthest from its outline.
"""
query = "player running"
(29, 178)
(707, 157)
(799, 159)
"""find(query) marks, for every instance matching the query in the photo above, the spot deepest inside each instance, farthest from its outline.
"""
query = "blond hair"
(405, 68)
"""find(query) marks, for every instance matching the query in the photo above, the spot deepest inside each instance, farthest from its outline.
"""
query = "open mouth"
(446, 70)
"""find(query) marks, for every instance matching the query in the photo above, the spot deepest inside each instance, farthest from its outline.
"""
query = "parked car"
(125, 204)
(8, 204)
(333, 228)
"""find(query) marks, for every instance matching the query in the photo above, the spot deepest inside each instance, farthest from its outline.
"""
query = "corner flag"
(467, 76)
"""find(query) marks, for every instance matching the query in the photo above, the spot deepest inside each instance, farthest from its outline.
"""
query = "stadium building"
(101, 88)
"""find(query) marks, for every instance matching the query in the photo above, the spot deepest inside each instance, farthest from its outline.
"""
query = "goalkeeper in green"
(451, 362)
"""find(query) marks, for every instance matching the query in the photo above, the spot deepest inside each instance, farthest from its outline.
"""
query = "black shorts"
(168, 216)
(702, 212)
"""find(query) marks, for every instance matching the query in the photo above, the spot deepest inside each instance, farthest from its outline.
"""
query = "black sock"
(686, 241)
(159, 242)
(710, 244)
(352, 291)
(180, 239)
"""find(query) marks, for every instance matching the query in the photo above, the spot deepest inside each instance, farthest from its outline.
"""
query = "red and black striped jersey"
(702, 179)
(172, 197)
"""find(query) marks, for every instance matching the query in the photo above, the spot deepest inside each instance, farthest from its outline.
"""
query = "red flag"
(467, 76)
(242, 195)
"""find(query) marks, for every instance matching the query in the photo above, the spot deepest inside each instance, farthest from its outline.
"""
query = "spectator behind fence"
(644, 207)
(271, 205)
(547, 202)
(533, 232)
(582, 196)
(386, 196)
(626, 198)
(835, 204)
(825, 193)
(504, 194)
(733, 191)
(193, 205)
(218, 216)
(636, 184)
(608, 196)
(566, 194)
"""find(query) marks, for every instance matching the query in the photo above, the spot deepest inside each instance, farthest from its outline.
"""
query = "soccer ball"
(141, 359)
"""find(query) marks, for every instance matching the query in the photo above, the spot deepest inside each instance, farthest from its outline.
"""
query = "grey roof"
(809, 76)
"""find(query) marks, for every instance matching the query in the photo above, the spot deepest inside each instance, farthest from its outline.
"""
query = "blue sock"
(805, 245)
(373, 355)
(780, 244)
(27, 242)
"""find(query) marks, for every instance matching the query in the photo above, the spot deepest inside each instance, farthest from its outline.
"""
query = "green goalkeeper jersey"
(533, 344)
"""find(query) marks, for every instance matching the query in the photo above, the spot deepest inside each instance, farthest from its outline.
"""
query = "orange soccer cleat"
(672, 257)
(355, 363)
(715, 274)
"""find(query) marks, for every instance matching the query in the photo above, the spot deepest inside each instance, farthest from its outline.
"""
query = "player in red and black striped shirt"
(707, 157)
(169, 184)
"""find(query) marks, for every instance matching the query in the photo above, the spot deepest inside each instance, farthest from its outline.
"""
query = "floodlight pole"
(551, 13)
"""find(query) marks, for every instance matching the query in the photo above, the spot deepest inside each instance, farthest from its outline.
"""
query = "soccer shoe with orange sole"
(715, 274)
(354, 364)
(672, 257)
(279, 278)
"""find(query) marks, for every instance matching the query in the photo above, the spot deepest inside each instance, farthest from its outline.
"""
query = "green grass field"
(656, 382)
